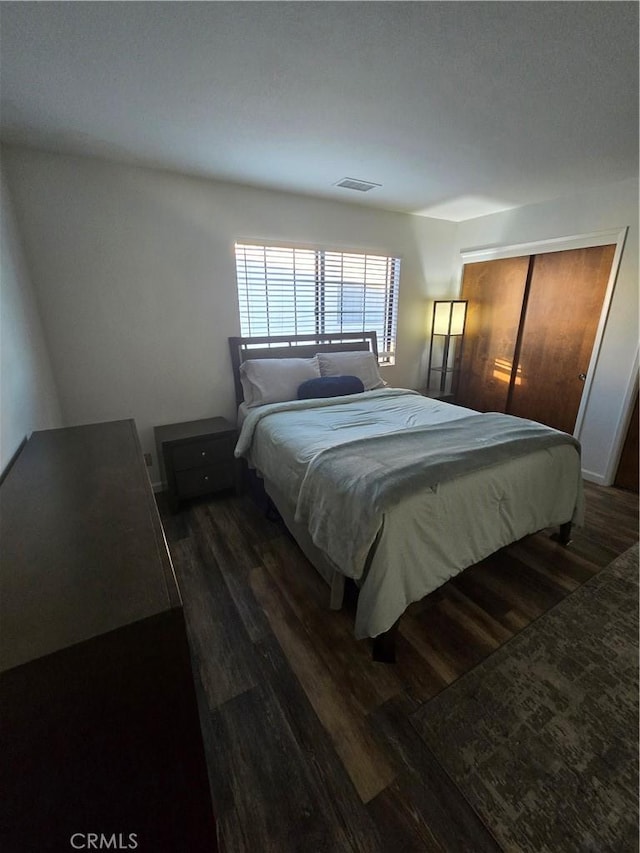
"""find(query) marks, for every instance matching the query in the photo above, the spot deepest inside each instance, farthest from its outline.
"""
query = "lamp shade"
(449, 317)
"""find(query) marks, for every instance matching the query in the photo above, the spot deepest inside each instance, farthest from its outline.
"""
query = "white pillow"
(360, 363)
(275, 380)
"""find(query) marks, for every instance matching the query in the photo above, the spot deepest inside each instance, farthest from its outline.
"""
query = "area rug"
(542, 737)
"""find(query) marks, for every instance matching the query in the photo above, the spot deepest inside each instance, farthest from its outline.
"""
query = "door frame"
(561, 244)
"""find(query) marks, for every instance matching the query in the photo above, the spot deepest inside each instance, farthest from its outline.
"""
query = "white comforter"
(430, 534)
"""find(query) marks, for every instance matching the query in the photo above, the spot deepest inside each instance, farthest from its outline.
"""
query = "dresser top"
(82, 550)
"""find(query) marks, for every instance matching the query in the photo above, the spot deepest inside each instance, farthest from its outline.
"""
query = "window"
(295, 291)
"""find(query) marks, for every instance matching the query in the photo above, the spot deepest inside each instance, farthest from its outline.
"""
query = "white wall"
(28, 395)
(135, 275)
(135, 278)
(601, 209)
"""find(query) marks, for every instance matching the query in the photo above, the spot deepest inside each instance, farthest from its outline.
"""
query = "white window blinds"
(295, 291)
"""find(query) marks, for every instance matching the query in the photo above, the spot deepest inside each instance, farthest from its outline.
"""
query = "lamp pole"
(445, 362)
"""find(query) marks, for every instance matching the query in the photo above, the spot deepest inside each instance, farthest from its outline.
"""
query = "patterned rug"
(542, 737)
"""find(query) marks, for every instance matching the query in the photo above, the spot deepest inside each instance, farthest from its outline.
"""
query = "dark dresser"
(100, 731)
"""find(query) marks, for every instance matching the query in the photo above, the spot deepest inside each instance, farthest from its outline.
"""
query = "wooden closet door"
(561, 316)
(627, 473)
(495, 290)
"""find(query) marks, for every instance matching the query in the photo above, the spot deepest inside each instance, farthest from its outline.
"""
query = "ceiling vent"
(355, 184)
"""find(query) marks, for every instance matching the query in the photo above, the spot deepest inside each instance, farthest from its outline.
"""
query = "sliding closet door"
(495, 290)
(561, 315)
(627, 473)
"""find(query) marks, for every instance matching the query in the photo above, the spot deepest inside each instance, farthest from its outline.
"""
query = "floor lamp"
(449, 319)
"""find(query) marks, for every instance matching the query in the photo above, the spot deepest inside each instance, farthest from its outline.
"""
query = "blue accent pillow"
(330, 386)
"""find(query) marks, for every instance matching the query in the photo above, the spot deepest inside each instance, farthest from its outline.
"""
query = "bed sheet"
(279, 440)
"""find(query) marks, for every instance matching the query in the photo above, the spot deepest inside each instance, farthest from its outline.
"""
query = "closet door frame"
(560, 244)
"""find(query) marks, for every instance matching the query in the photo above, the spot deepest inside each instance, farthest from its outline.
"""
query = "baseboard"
(598, 479)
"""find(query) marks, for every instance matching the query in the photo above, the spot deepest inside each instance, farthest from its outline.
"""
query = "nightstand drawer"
(195, 454)
(208, 478)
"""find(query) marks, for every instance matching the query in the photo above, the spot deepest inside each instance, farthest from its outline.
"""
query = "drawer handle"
(204, 453)
(206, 476)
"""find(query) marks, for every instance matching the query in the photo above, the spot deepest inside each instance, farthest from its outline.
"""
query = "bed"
(392, 489)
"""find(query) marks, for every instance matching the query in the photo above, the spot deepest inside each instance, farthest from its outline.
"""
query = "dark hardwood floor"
(310, 744)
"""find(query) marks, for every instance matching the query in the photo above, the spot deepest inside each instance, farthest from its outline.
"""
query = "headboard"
(295, 346)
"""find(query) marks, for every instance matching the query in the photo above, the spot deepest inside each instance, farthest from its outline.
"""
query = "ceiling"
(456, 108)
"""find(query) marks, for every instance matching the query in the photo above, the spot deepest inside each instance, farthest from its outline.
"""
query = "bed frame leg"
(270, 512)
(384, 645)
(337, 591)
(563, 536)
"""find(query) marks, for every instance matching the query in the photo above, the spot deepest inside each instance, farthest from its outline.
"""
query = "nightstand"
(198, 458)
